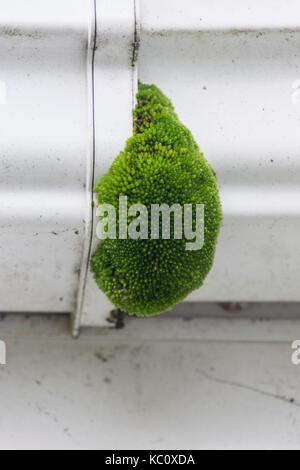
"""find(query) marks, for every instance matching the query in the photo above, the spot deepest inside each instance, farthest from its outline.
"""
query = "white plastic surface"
(231, 70)
(115, 86)
(43, 152)
(67, 84)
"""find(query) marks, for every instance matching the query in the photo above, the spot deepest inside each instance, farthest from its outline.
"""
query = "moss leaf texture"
(161, 163)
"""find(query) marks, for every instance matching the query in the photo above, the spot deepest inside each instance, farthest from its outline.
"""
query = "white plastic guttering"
(67, 89)
(232, 70)
(218, 15)
(67, 85)
(115, 87)
(44, 143)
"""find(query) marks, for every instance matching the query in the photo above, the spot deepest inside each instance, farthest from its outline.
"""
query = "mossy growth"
(161, 163)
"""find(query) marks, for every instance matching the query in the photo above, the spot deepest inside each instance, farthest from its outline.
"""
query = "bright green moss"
(161, 163)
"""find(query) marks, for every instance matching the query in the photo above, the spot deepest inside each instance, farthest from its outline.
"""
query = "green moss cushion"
(161, 163)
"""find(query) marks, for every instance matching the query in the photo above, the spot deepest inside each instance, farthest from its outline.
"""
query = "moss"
(161, 163)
